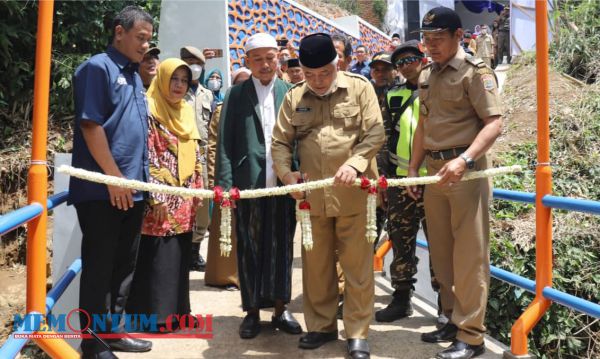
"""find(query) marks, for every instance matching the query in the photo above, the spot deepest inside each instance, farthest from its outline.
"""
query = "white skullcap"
(260, 40)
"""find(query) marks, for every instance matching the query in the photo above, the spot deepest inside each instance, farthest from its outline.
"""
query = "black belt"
(447, 154)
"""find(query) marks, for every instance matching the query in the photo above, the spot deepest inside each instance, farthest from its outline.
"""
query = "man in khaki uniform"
(460, 118)
(201, 99)
(485, 46)
(334, 121)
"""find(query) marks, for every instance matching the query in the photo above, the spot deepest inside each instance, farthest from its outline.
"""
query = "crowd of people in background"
(324, 109)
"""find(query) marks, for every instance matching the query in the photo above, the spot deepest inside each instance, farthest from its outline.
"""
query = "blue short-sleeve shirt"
(108, 91)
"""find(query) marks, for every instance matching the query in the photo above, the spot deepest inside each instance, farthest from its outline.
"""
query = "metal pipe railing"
(18, 217)
(31, 322)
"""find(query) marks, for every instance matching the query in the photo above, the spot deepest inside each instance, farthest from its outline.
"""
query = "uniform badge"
(302, 109)
(428, 19)
(488, 82)
(121, 80)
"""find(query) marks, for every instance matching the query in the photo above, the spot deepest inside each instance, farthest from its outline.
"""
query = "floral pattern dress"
(162, 153)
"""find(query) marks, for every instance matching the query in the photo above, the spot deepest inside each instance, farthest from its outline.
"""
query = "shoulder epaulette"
(475, 61)
(297, 84)
(357, 76)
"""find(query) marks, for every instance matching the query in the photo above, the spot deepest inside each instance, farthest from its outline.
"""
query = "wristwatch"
(468, 160)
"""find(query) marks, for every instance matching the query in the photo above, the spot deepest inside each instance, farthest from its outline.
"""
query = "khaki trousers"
(458, 234)
(202, 222)
(346, 236)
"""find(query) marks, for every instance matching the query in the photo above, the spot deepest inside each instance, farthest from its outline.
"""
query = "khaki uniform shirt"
(211, 155)
(201, 101)
(344, 127)
(454, 100)
(485, 46)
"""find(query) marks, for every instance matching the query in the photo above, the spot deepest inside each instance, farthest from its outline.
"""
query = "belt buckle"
(441, 155)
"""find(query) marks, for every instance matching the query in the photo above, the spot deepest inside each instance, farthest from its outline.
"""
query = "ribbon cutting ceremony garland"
(227, 199)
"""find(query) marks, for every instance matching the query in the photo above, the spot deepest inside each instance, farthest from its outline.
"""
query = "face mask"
(196, 71)
(214, 84)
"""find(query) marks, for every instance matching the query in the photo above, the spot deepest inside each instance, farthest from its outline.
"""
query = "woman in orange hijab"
(161, 280)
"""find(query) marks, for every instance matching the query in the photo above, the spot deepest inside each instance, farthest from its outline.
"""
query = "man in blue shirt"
(361, 65)
(110, 136)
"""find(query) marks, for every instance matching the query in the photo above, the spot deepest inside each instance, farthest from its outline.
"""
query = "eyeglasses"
(407, 61)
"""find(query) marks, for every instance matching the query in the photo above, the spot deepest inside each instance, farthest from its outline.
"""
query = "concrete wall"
(202, 24)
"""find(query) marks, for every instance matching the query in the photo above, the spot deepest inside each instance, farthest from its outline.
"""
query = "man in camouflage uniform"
(201, 99)
(399, 105)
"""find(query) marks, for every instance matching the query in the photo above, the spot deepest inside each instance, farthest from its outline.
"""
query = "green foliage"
(380, 9)
(81, 29)
(575, 149)
(576, 45)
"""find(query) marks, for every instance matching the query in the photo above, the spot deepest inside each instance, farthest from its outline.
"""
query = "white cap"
(260, 40)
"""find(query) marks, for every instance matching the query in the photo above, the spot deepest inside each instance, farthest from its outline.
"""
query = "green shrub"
(575, 149)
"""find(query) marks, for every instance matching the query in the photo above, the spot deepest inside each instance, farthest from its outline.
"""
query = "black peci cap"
(395, 35)
(410, 45)
(293, 63)
(383, 57)
(317, 50)
(439, 19)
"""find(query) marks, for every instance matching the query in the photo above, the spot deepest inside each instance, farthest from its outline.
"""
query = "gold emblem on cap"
(428, 19)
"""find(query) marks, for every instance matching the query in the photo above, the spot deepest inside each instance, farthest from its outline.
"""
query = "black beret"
(439, 19)
(316, 50)
(410, 45)
(293, 63)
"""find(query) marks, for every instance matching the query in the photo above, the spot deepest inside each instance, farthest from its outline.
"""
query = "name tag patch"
(302, 109)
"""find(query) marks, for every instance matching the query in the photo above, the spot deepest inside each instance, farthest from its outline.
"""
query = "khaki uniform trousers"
(458, 234)
(345, 235)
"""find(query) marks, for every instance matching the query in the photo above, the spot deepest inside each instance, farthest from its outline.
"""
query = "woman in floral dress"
(161, 281)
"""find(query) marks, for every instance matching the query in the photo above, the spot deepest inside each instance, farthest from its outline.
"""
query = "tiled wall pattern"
(282, 19)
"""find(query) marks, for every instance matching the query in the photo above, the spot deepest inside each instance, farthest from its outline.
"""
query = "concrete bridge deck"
(400, 339)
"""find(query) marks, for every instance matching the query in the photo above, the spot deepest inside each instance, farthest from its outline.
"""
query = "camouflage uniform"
(404, 214)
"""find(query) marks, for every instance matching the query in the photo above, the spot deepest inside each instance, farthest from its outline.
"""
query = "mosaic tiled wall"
(282, 19)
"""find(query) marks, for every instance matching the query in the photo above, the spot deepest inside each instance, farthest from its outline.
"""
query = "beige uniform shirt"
(201, 101)
(211, 154)
(344, 127)
(454, 100)
(485, 46)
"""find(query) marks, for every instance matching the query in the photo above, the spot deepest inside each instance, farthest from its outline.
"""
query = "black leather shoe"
(130, 345)
(447, 333)
(250, 326)
(105, 354)
(198, 264)
(313, 340)
(461, 350)
(358, 349)
(287, 323)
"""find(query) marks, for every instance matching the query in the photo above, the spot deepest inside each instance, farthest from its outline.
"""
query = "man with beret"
(149, 65)
(460, 118)
(294, 71)
(201, 99)
(404, 214)
(333, 121)
(265, 226)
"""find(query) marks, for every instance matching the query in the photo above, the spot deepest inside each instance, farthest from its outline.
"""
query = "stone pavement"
(400, 339)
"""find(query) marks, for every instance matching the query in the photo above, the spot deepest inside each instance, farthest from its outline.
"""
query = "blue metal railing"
(31, 322)
(20, 216)
(16, 218)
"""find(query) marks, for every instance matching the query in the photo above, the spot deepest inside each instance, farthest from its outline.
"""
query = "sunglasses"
(407, 60)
